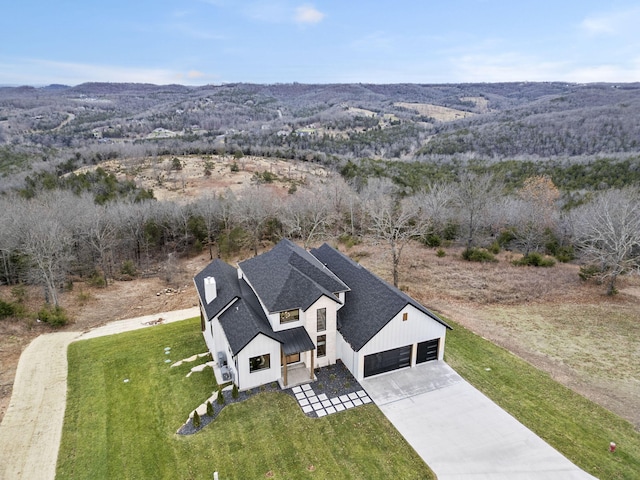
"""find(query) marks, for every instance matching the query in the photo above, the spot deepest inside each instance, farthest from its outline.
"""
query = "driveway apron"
(459, 432)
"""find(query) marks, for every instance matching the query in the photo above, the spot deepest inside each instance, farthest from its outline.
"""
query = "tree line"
(57, 236)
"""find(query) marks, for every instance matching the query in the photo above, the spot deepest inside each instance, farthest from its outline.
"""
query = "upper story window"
(322, 319)
(290, 316)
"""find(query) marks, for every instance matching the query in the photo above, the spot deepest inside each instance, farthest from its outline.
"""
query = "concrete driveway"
(459, 432)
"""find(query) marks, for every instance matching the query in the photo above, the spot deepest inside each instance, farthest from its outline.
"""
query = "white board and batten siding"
(418, 327)
(311, 325)
(260, 345)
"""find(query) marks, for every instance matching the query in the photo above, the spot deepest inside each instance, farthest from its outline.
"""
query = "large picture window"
(260, 362)
(290, 316)
(322, 319)
(322, 346)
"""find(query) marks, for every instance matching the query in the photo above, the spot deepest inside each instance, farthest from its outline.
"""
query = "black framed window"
(322, 345)
(322, 319)
(261, 362)
(290, 316)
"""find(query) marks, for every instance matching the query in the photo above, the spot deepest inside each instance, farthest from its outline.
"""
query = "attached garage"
(427, 351)
(387, 361)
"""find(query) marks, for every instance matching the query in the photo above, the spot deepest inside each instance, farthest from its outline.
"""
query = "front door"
(295, 358)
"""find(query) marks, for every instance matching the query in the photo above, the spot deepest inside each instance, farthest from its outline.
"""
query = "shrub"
(97, 279)
(494, 248)
(220, 398)
(432, 240)
(588, 272)
(209, 408)
(450, 231)
(234, 167)
(482, 255)
(440, 253)
(535, 259)
(6, 309)
(234, 391)
(348, 240)
(505, 237)
(196, 419)
(128, 268)
(565, 254)
(19, 292)
(55, 316)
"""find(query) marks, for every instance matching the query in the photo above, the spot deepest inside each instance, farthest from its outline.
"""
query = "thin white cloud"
(512, 67)
(268, 11)
(190, 31)
(621, 22)
(307, 14)
(377, 41)
(44, 72)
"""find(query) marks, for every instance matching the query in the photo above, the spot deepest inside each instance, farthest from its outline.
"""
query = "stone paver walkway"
(320, 405)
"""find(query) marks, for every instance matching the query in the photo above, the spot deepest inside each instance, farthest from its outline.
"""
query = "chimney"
(210, 292)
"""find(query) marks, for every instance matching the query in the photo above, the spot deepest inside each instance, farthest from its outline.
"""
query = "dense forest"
(546, 169)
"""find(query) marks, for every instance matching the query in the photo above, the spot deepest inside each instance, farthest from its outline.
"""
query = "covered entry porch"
(294, 371)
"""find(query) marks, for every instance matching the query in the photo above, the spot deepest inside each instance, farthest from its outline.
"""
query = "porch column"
(284, 364)
(311, 370)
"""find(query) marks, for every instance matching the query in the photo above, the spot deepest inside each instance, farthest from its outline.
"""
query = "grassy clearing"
(545, 329)
(127, 430)
(575, 426)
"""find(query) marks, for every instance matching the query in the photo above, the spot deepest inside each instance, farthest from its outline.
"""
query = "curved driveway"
(459, 432)
(31, 429)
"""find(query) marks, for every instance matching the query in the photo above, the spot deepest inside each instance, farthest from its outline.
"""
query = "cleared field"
(441, 114)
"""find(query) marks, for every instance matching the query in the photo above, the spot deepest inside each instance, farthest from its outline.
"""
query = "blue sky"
(196, 42)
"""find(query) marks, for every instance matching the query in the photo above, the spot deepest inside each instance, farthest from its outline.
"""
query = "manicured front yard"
(126, 430)
(575, 426)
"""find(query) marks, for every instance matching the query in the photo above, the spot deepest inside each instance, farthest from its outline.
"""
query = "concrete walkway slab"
(459, 432)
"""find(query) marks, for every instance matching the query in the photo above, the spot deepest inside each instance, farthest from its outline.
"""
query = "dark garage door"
(386, 361)
(427, 351)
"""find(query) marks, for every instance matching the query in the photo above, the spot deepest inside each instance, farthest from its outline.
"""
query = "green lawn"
(575, 426)
(127, 430)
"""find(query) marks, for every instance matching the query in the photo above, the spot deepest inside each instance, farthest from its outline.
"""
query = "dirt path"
(31, 429)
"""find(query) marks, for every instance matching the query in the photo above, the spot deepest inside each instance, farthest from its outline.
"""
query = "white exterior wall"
(207, 333)
(419, 327)
(346, 354)
(261, 345)
(311, 325)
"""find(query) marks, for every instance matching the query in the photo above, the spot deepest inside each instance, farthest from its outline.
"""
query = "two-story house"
(289, 309)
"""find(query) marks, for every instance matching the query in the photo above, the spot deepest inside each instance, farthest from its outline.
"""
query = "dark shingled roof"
(245, 319)
(370, 304)
(288, 277)
(227, 286)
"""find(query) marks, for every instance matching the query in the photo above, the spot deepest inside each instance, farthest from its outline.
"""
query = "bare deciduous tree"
(435, 201)
(535, 212)
(209, 208)
(473, 199)
(392, 219)
(47, 242)
(608, 233)
(307, 214)
(253, 209)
